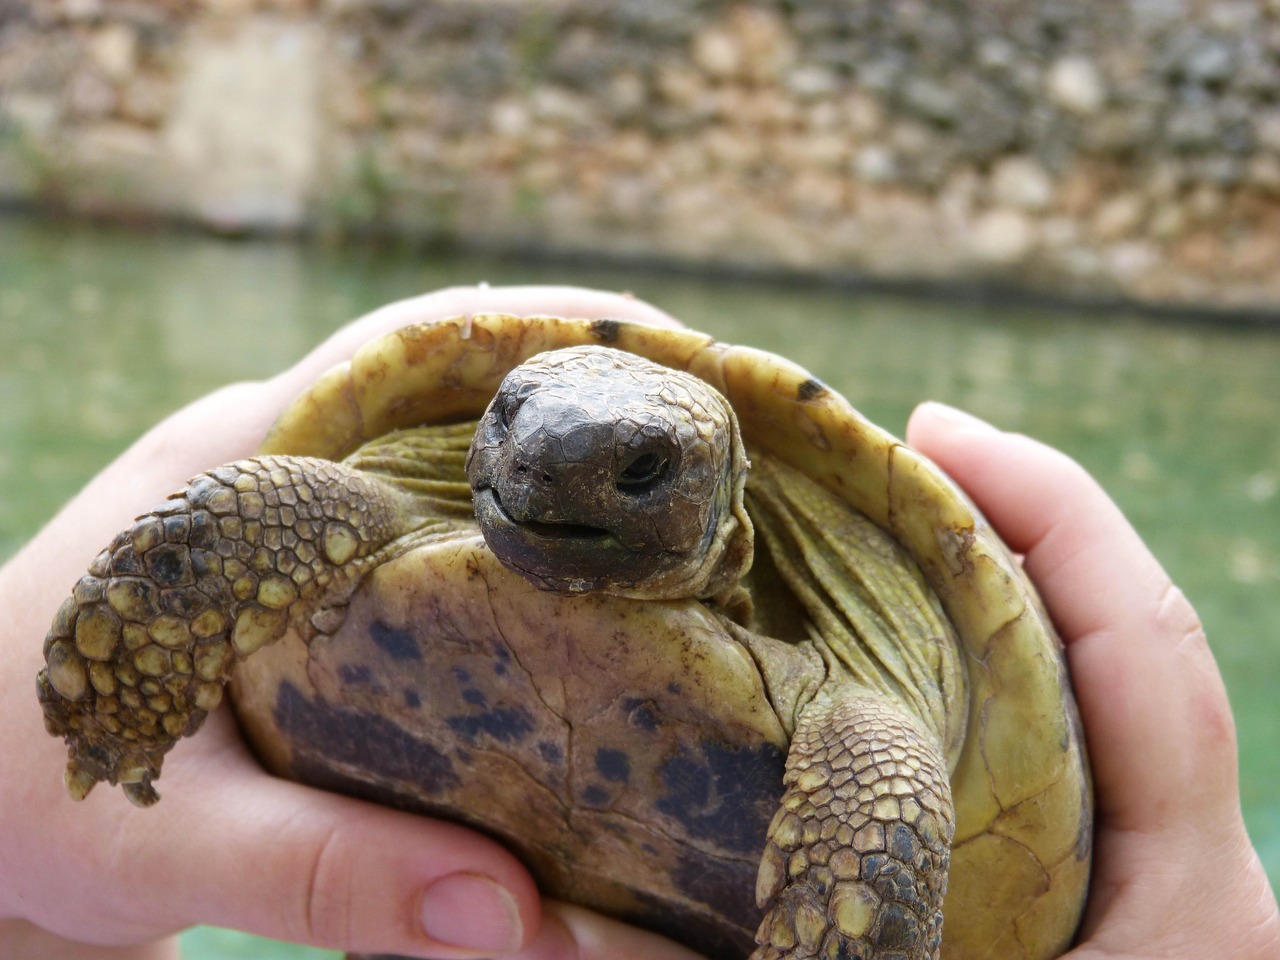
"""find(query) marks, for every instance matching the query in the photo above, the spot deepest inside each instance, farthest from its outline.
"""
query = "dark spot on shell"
(595, 795)
(550, 752)
(398, 644)
(326, 738)
(411, 699)
(810, 389)
(673, 687)
(502, 723)
(355, 673)
(640, 714)
(606, 329)
(726, 795)
(613, 765)
(474, 697)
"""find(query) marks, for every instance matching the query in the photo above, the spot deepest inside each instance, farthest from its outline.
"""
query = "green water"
(102, 333)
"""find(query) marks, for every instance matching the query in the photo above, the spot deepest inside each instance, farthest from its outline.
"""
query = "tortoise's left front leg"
(139, 653)
(856, 861)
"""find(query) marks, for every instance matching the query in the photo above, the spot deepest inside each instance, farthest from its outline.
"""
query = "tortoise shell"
(630, 752)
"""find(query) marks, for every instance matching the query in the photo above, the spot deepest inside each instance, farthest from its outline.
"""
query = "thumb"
(293, 863)
(1155, 711)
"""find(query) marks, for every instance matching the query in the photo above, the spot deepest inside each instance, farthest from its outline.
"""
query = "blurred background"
(1063, 216)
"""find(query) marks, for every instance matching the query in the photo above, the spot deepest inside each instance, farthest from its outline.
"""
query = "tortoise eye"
(642, 474)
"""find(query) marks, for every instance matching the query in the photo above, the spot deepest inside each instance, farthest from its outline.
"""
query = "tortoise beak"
(564, 557)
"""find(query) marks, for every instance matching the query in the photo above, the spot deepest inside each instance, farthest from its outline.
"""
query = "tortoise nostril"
(527, 474)
(642, 474)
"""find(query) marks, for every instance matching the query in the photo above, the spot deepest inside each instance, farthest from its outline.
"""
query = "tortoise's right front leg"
(141, 650)
(855, 865)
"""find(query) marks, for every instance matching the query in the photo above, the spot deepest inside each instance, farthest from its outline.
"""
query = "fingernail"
(958, 418)
(471, 911)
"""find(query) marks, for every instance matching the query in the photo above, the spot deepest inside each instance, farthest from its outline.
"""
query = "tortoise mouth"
(564, 531)
(564, 557)
(541, 529)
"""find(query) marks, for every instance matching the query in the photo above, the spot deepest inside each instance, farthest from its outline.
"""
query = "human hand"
(232, 845)
(1174, 872)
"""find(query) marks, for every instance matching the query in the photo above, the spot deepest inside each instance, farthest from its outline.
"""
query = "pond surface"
(104, 332)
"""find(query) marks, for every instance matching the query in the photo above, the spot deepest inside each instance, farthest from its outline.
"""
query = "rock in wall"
(1093, 147)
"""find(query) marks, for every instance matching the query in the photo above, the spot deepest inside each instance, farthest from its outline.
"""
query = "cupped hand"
(231, 845)
(1174, 873)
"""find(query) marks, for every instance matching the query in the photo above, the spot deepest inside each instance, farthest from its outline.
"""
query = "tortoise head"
(594, 469)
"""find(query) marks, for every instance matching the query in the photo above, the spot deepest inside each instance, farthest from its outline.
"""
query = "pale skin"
(1175, 873)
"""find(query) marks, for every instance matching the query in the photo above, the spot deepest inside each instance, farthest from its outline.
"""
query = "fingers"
(572, 933)
(235, 848)
(295, 864)
(1174, 872)
(1155, 711)
(25, 941)
(1047, 507)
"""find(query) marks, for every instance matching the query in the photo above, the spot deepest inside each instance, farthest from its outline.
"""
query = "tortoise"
(711, 652)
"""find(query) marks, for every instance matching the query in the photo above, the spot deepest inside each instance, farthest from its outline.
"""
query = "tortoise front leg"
(856, 861)
(141, 650)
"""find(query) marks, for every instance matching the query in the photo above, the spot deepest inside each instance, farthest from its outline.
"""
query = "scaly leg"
(141, 650)
(856, 862)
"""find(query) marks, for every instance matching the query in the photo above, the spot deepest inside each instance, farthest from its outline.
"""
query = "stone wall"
(1092, 147)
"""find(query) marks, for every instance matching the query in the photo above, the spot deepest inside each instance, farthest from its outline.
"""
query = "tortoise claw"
(141, 794)
(78, 781)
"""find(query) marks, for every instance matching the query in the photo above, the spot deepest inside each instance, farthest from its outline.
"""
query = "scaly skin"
(856, 861)
(141, 650)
